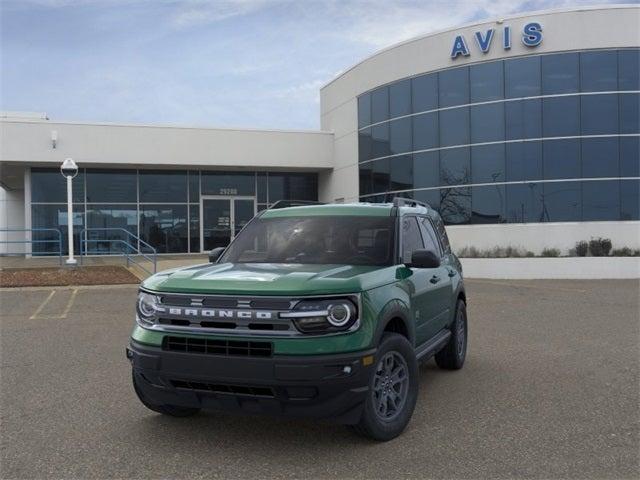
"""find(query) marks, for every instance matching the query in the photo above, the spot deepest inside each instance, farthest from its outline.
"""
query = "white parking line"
(65, 312)
(42, 305)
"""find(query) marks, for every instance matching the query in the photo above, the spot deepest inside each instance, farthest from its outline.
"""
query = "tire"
(385, 414)
(170, 410)
(452, 356)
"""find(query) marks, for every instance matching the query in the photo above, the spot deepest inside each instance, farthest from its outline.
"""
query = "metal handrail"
(32, 241)
(149, 256)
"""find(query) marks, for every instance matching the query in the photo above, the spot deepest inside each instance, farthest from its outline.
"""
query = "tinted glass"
(402, 172)
(600, 157)
(425, 131)
(380, 105)
(380, 141)
(194, 186)
(228, 183)
(163, 186)
(599, 71)
(261, 186)
(524, 203)
(487, 164)
(455, 166)
(380, 173)
(293, 186)
(400, 98)
(523, 119)
(194, 227)
(317, 240)
(426, 169)
(53, 216)
(561, 116)
(429, 237)
(115, 218)
(366, 179)
(365, 144)
(487, 123)
(601, 200)
(430, 197)
(364, 110)
(453, 87)
(522, 77)
(562, 202)
(487, 81)
(424, 92)
(455, 205)
(48, 185)
(165, 227)
(561, 159)
(454, 127)
(523, 161)
(106, 186)
(560, 73)
(630, 156)
(630, 200)
(442, 233)
(629, 113)
(488, 204)
(411, 238)
(629, 70)
(400, 135)
(599, 114)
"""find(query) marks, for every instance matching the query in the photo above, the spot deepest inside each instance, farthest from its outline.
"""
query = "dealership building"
(521, 131)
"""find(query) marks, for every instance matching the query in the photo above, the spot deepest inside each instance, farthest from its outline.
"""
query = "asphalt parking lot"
(550, 390)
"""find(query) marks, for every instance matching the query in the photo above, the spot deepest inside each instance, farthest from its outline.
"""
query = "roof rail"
(407, 202)
(294, 203)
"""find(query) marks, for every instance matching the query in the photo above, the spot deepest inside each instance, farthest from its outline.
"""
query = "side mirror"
(215, 254)
(424, 259)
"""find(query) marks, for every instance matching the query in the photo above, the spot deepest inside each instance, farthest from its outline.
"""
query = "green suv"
(317, 311)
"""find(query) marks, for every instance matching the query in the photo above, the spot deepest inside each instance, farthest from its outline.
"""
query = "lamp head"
(69, 169)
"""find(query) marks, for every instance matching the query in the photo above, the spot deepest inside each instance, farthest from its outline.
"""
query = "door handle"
(435, 279)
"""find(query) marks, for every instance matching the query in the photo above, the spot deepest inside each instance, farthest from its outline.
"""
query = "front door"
(221, 218)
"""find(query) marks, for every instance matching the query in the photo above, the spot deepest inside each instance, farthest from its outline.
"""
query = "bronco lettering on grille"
(217, 313)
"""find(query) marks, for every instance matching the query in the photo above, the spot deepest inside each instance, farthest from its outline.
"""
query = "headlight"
(323, 316)
(146, 307)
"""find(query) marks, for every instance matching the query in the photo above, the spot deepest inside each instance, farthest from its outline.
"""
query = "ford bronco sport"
(317, 311)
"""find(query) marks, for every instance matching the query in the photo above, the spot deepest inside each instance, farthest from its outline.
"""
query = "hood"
(270, 279)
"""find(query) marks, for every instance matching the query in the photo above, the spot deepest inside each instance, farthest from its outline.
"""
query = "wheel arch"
(395, 317)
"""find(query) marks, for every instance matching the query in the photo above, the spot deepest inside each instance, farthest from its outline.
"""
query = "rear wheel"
(171, 410)
(393, 390)
(452, 356)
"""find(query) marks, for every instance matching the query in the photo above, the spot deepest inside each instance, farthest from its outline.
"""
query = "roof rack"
(293, 203)
(407, 202)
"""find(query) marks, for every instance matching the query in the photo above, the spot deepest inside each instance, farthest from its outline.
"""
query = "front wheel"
(393, 390)
(170, 410)
(452, 356)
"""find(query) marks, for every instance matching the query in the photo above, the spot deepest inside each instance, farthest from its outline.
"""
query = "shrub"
(582, 248)
(625, 252)
(550, 252)
(600, 247)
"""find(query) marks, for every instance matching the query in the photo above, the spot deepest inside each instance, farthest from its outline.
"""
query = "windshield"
(347, 240)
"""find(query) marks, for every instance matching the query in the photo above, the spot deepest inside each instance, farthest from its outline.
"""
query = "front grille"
(222, 388)
(208, 346)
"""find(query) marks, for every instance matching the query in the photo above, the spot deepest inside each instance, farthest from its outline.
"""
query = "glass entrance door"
(221, 218)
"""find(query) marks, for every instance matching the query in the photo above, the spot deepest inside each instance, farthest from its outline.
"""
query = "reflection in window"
(425, 131)
(455, 205)
(381, 175)
(601, 200)
(454, 127)
(402, 172)
(487, 81)
(112, 186)
(488, 204)
(411, 238)
(487, 123)
(400, 135)
(293, 186)
(630, 199)
(400, 99)
(454, 87)
(48, 185)
(562, 202)
(561, 116)
(629, 113)
(380, 141)
(561, 159)
(560, 73)
(364, 145)
(524, 203)
(366, 179)
(163, 186)
(261, 186)
(228, 183)
(53, 216)
(116, 220)
(194, 186)
(522, 77)
(430, 197)
(599, 71)
(630, 156)
(165, 227)
(380, 105)
(364, 110)
(600, 157)
(424, 92)
(523, 161)
(194, 227)
(487, 164)
(523, 119)
(599, 114)
(629, 69)
(455, 166)
(426, 169)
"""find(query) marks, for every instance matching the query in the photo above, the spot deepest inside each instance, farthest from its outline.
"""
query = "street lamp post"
(69, 169)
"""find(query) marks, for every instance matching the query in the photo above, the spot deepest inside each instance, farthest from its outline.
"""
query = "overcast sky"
(244, 63)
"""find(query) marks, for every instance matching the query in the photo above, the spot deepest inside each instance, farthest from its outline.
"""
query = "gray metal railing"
(130, 247)
(33, 241)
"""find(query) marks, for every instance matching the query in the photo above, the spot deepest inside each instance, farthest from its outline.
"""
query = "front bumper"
(331, 387)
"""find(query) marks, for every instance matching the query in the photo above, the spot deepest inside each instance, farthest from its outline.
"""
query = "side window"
(411, 238)
(429, 236)
(442, 233)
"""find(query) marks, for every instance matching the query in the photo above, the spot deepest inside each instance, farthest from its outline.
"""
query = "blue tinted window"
(561, 116)
(560, 73)
(426, 169)
(629, 70)
(400, 135)
(380, 141)
(424, 91)
(401, 172)
(165, 227)
(600, 157)
(425, 131)
(561, 159)
(487, 164)
(454, 87)
(455, 205)
(380, 105)
(562, 202)
(488, 204)
(487, 123)
(454, 127)
(599, 114)
(630, 156)
(112, 217)
(163, 186)
(630, 200)
(364, 144)
(601, 200)
(366, 179)
(364, 110)
(400, 98)
(455, 166)
(599, 71)
(117, 186)
(487, 81)
(524, 203)
(523, 161)
(380, 173)
(522, 77)
(430, 197)
(53, 216)
(523, 119)
(629, 113)
(194, 186)
(48, 185)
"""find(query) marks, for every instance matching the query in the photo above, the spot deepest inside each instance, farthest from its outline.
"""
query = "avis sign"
(531, 36)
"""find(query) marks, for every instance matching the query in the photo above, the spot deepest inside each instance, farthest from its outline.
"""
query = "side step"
(433, 346)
